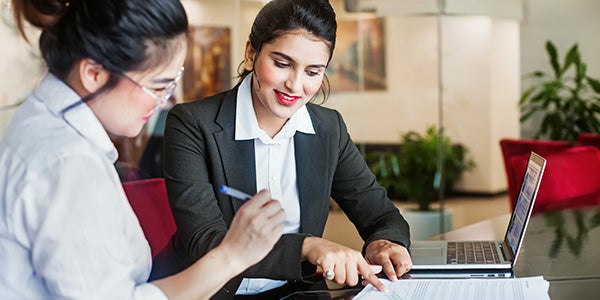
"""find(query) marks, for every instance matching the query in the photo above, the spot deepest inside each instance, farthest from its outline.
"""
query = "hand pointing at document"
(340, 264)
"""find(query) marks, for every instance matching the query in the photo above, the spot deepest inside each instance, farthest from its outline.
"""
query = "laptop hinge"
(508, 256)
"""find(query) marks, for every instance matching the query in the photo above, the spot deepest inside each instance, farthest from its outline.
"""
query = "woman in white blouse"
(66, 228)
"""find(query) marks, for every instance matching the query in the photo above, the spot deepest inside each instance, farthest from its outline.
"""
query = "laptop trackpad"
(428, 253)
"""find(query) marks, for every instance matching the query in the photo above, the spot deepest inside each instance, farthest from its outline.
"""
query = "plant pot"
(425, 224)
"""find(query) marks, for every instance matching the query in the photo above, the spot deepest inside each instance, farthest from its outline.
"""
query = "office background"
(486, 48)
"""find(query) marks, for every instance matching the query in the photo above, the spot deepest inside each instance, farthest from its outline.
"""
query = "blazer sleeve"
(193, 171)
(363, 200)
(200, 222)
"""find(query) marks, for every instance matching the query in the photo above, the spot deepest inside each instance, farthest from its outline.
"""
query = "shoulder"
(36, 163)
(204, 110)
(321, 111)
(207, 105)
(41, 138)
(325, 118)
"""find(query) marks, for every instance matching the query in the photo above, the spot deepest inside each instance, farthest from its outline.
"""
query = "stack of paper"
(481, 289)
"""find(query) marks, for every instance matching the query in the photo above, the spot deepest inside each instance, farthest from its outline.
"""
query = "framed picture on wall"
(208, 62)
(358, 61)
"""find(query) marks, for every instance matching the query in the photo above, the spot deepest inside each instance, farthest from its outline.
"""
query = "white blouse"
(67, 230)
(275, 161)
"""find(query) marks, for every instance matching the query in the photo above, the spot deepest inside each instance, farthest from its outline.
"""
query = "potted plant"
(412, 172)
(567, 100)
(420, 174)
(385, 166)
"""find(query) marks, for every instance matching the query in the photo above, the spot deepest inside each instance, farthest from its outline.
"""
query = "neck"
(271, 125)
(267, 121)
(74, 82)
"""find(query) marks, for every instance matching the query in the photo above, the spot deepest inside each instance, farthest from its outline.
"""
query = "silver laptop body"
(433, 255)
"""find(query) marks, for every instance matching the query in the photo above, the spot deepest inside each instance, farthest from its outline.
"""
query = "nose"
(294, 82)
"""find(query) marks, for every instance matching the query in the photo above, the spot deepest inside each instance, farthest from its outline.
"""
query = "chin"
(287, 111)
(129, 132)
(135, 133)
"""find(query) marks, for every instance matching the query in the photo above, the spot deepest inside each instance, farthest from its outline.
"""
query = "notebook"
(483, 258)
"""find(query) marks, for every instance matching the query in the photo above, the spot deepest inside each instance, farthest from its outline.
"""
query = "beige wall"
(20, 67)
(481, 76)
(480, 67)
(565, 22)
(473, 103)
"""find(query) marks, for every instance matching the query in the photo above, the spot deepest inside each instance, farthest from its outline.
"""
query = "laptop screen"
(524, 204)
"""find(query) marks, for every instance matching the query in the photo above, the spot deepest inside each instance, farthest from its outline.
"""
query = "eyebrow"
(163, 80)
(289, 58)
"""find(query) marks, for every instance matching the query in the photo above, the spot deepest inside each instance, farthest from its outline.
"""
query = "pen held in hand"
(234, 193)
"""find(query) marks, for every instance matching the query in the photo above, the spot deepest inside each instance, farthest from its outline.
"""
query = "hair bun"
(40, 13)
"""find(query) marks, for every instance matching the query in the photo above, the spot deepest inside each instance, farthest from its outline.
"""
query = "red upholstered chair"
(571, 178)
(149, 201)
(515, 147)
(591, 139)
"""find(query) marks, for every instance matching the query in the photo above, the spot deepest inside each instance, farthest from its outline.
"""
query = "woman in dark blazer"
(290, 46)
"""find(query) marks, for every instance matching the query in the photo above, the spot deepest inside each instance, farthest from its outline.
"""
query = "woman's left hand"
(394, 258)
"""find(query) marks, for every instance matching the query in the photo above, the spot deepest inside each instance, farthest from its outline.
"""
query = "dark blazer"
(201, 154)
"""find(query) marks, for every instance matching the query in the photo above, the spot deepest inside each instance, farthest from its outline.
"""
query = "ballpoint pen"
(234, 193)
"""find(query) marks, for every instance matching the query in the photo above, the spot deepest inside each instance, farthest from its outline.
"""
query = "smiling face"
(127, 107)
(288, 72)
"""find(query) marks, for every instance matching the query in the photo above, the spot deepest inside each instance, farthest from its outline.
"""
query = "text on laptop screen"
(522, 207)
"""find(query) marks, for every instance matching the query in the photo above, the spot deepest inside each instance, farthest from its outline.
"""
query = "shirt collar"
(63, 102)
(246, 124)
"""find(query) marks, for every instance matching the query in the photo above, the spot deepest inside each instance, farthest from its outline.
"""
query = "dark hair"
(279, 17)
(121, 35)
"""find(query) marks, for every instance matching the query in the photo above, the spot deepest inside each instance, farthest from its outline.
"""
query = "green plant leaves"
(572, 57)
(567, 103)
(414, 172)
(595, 84)
(552, 53)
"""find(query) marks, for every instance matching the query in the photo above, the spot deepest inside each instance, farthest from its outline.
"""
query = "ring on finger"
(329, 274)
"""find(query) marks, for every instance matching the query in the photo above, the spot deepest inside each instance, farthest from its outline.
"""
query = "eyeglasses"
(161, 95)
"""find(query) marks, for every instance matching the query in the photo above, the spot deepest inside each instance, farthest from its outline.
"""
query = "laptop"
(482, 258)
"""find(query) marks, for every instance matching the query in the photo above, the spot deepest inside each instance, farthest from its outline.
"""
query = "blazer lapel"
(239, 167)
(311, 165)
(237, 157)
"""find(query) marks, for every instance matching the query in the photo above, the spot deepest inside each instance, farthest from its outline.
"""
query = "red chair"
(571, 178)
(149, 201)
(591, 139)
(516, 147)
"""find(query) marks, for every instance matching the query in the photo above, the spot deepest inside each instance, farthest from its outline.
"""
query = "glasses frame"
(168, 91)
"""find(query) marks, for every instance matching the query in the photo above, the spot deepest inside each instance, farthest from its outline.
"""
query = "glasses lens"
(167, 93)
(162, 95)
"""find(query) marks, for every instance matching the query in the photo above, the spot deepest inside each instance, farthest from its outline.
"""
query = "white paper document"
(480, 289)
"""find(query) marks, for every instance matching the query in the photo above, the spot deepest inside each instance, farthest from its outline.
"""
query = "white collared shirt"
(67, 230)
(275, 162)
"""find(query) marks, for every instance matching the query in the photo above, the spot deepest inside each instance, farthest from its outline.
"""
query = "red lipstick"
(286, 99)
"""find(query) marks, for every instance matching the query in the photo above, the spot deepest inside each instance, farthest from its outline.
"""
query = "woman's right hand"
(255, 229)
(344, 265)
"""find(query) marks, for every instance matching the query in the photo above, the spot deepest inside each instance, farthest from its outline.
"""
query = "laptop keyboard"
(476, 252)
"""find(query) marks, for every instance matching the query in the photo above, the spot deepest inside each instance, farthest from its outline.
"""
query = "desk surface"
(492, 229)
(563, 246)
